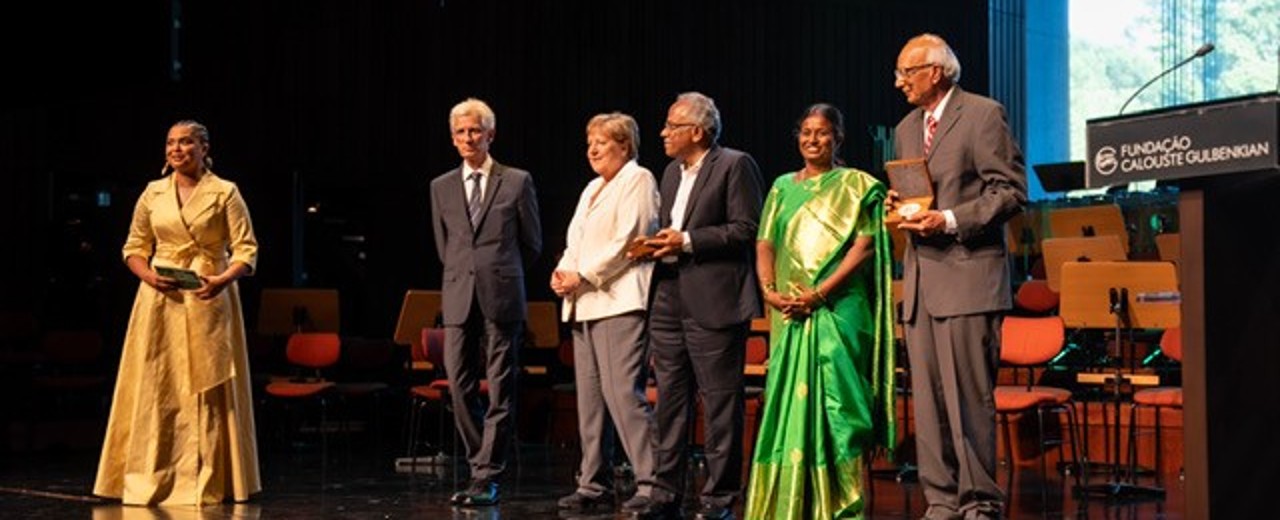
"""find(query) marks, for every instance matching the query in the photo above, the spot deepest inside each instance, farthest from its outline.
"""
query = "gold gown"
(181, 427)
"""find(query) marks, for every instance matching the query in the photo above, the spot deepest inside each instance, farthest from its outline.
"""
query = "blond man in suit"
(485, 218)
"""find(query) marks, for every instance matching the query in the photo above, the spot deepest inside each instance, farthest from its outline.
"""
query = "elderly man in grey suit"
(956, 277)
(485, 218)
(704, 297)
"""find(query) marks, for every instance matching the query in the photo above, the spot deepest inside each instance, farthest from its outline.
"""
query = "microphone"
(1204, 49)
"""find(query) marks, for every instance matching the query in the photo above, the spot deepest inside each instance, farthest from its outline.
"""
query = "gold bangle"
(769, 286)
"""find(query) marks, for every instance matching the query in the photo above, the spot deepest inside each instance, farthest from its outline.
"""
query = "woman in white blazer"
(605, 298)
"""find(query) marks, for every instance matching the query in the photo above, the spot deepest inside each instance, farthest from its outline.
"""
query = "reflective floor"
(361, 481)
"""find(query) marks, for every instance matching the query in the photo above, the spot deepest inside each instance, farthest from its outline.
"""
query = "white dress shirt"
(483, 170)
(952, 226)
(688, 176)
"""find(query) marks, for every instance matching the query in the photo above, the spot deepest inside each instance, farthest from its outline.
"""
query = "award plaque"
(910, 178)
(187, 279)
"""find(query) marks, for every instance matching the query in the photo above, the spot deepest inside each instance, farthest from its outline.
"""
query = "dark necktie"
(931, 126)
(473, 204)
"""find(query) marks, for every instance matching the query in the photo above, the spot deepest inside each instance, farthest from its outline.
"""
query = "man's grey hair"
(938, 52)
(473, 107)
(704, 112)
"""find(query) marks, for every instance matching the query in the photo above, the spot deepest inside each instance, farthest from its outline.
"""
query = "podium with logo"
(1223, 157)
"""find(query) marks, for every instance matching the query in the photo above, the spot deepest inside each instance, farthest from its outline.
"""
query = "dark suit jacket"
(488, 263)
(717, 282)
(978, 174)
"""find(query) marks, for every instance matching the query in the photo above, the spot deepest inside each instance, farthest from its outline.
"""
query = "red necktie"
(931, 126)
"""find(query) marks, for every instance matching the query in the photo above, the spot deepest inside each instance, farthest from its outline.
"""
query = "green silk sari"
(829, 390)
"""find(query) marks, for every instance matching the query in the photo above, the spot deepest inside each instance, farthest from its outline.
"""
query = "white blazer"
(596, 246)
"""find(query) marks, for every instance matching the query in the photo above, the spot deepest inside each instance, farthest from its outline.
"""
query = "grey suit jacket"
(978, 174)
(717, 282)
(488, 263)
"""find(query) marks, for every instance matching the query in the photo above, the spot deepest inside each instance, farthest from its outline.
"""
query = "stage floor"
(360, 482)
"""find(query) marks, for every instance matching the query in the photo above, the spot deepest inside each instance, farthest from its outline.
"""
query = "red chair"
(435, 391)
(1025, 344)
(1157, 398)
(757, 365)
(310, 353)
(1035, 297)
(364, 368)
(427, 354)
(68, 378)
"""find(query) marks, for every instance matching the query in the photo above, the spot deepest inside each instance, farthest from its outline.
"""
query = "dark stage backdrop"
(341, 107)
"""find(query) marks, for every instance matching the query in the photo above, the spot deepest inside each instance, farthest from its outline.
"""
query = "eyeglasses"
(903, 73)
(671, 127)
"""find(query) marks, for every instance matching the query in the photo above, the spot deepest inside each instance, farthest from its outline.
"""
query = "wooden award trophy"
(910, 178)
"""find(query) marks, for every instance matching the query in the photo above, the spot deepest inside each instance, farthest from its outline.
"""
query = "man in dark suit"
(956, 276)
(704, 297)
(485, 218)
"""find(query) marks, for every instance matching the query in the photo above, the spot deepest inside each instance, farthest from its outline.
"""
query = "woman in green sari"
(823, 262)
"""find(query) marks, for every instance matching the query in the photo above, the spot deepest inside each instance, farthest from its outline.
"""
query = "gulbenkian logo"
(1104, 162)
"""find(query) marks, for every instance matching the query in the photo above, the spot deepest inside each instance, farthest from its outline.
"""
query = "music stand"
(282, 312)
(1058, 251)
(420, 309)
(1123, 296)
(1169, 246)
(1088, 221)
(1023, 234)
(1060, 177)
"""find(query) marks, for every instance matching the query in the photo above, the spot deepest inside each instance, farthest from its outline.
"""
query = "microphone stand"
(1118, 488)
(1204, 49)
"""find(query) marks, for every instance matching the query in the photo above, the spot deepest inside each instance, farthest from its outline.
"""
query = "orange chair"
(1158, 398)
(69, 377)
(757, 367)
(68, 361)
(1035, 297)
(428, 354)
(363, 369)
(310, 352)
(1028, 343)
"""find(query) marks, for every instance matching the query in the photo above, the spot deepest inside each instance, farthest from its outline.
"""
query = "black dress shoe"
(713, 512)
(580, 502)
(479, 493)
(646, 508)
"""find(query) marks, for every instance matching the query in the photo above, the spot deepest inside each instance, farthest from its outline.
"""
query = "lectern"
(1223, 155)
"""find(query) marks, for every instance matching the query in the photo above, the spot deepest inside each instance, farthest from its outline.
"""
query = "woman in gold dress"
(181, 428)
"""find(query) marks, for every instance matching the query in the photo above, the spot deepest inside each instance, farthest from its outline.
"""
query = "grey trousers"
(610, 364)
(483, 349)
(953, 373)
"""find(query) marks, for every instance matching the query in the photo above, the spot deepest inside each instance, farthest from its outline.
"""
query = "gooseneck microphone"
(1204, 49)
